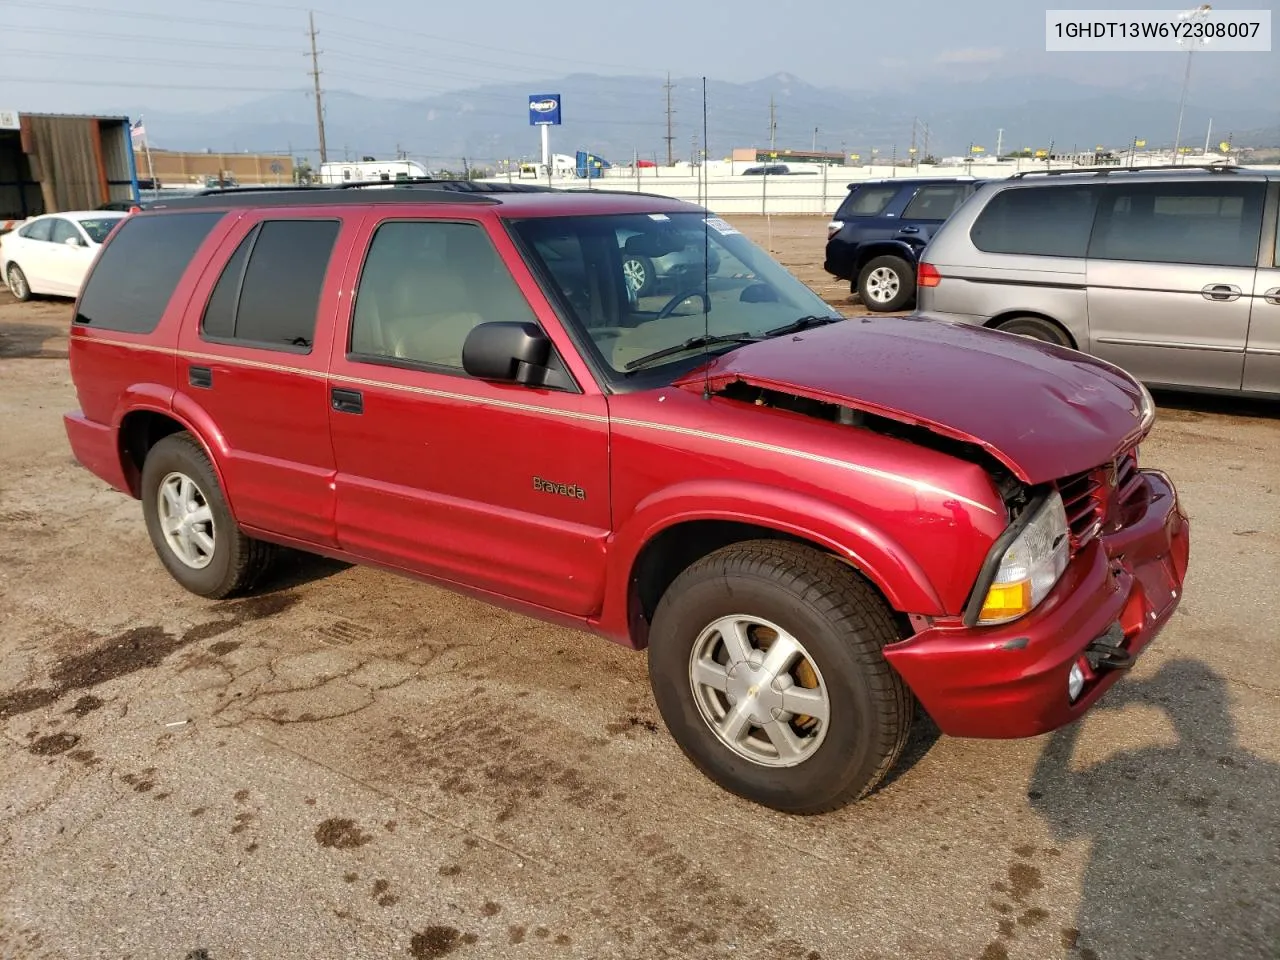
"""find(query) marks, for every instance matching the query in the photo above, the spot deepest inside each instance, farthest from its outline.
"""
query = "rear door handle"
(1224, 292)
(1272, 296)
(909, 230)
(200, 377)
(347, 401)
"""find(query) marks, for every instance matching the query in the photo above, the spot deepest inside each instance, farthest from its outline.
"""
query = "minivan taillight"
(927, 275)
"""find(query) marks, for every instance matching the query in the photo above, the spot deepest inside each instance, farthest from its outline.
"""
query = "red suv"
(813, 524)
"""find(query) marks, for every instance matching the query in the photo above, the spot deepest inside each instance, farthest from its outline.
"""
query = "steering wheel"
(680, 298)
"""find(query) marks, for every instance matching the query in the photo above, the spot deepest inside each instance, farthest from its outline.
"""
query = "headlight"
(1147, 409)
(1030, 566)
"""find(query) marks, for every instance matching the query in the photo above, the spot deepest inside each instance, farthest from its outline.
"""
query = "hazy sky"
(78, 56)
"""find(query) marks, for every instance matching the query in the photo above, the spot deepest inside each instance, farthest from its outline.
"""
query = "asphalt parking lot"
(349, 764)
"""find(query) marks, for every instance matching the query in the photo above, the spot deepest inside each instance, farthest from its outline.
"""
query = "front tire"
(639, 273)
(16, 280)
(886, 284)
(766, 663)
(190, 523)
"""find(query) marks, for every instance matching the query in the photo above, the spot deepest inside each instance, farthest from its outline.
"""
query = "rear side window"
(63, 230)
(867, 201)
(139, 269)
(37, 231)
(935, 203)
(269, 291)
(1215, 224)
(1050, 221)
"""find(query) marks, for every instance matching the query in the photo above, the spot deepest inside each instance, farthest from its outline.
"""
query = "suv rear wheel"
(886, 283)
(190, 524)
(766, 663)
(1037, 328)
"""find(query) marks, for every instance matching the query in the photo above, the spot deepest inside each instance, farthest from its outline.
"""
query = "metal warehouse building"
(53, 162)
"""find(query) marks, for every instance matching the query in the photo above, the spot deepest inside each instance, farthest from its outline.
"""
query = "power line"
(380, 26)
(132, 38)
(315, 76)
(151, 17)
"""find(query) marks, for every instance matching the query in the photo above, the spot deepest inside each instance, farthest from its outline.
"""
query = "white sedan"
(51, 254)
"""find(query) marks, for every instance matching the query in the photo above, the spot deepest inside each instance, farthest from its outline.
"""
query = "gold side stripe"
(919, 486)
(471, 398)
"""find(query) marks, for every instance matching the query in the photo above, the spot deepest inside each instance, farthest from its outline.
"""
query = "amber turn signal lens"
(1006, 601)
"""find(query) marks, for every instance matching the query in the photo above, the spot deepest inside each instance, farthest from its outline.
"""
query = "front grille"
(1079, 494)
(1094, 498)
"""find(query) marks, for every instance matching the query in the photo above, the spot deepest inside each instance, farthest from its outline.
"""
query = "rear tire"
(886, 284)
(710, 652)
(16, 280)
(1037, 328)
(190, 523)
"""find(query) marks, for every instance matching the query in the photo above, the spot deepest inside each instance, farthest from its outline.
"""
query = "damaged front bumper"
(1012, 680)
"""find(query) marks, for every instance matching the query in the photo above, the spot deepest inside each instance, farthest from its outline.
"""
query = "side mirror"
(510, 351)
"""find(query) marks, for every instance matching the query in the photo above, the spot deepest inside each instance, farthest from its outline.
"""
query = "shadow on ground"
(1185, 858)
(1190, 407)
(31, 341)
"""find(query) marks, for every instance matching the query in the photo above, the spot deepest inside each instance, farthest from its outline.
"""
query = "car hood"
(1044, 411)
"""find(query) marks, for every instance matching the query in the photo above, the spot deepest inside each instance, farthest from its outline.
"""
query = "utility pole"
(773, 127)
(815, 139)
(670, 138)
(315, 76)
(999, 141)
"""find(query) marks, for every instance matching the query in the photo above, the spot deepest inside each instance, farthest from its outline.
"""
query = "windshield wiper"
(802, 323)
(693, 343)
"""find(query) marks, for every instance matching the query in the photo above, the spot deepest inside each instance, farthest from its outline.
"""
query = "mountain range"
(618, 117)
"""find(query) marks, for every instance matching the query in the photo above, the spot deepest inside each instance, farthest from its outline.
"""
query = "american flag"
(137, 130)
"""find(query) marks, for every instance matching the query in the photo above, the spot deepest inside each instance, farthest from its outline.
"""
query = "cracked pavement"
(352, 764)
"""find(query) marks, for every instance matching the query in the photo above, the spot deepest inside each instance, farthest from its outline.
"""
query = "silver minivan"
(1171, 274)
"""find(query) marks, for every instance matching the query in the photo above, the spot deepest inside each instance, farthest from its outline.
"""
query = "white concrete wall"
(727, 191)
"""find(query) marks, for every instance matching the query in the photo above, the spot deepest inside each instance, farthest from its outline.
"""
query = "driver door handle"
(1223, 292)
(909, 230)
(346, 401)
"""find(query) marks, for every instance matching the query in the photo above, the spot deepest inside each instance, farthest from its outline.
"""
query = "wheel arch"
(145, 424)
(883, 248)
(1006, 315)
(670, 545)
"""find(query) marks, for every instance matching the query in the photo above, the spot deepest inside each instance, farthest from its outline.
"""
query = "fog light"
(1075, 682)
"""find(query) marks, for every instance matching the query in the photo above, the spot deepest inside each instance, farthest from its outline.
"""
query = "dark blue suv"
(882, 226)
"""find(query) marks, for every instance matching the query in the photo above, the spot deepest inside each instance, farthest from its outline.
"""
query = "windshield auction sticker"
(1158, 31)
(720, 226)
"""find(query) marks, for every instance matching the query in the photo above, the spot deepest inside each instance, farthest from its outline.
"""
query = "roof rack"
(1104, 171)
(308, 196)
(459, 186)
(424, 189)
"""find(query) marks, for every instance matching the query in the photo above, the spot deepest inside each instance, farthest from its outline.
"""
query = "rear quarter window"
(867, 201)
(1049, 221)
(138, 271)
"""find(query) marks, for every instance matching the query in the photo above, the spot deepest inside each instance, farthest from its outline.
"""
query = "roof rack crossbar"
(1104, 171)
(287, 197)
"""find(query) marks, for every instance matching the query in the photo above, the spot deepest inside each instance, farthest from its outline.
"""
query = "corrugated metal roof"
(75, 116)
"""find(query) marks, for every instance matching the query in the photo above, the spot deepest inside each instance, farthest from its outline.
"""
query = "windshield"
(642, 284)
(98, 227)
